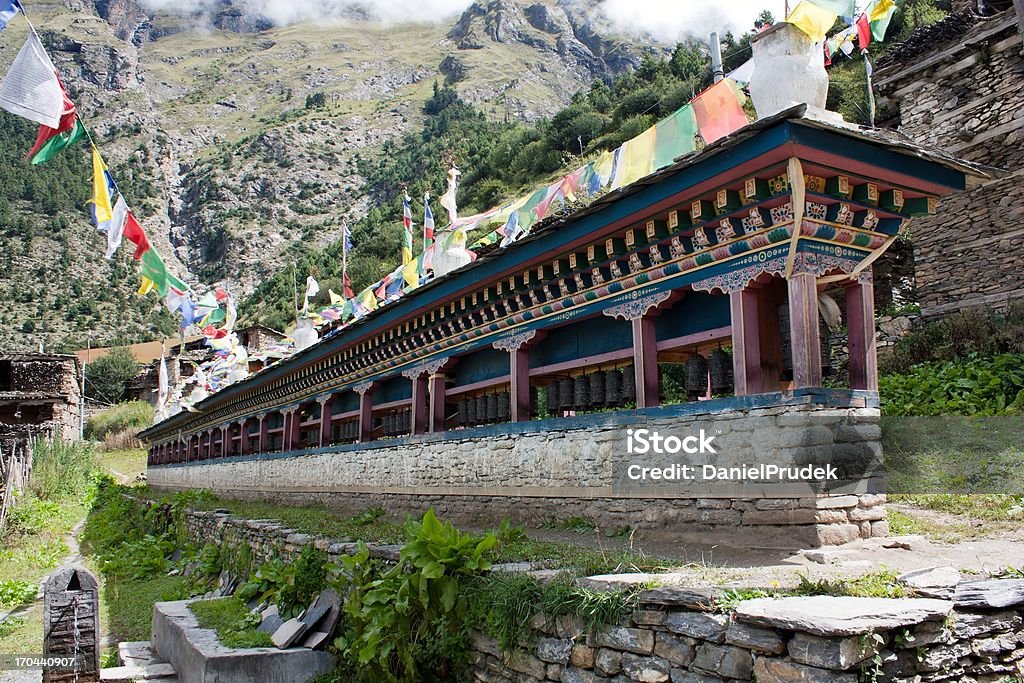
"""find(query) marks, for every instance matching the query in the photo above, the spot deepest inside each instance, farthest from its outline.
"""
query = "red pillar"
(326, 408)
(520, 372)
(645, 362)
(419, 404)
(438, 389)
(366, 415)
(264, 434)
(803, 325)
(746, 342)
(245, 448)
(860, 322)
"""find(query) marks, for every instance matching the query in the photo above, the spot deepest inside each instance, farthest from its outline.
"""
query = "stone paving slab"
(841, 616)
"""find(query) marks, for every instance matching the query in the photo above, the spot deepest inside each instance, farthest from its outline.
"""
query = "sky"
(664, 20)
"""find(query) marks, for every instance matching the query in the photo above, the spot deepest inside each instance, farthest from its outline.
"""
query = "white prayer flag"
(448, 198)
(31, 88)
(161, 396)
(312, 289)
(115, 226)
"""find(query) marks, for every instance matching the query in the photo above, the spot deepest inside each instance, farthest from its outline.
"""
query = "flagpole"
(344, 260)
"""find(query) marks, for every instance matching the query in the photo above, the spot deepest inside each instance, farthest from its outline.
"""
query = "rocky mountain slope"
(239, 142)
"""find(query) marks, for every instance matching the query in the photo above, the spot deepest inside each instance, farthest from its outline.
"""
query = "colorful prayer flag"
(816, 17)
(406, 231)
(879, 14)
(428, 222)
(718, 111)
(134, 233)
(675, 137)
(58, 142)
(346, 286)
(312, 289)
(863, 31)
(8, 9)
(102, 189)
(152, 268)
(115, 226)
(68, 123)
(31, 88)
(448, 198)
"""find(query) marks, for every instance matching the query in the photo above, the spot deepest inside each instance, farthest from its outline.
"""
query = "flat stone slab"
(991, 594)
(841, 616)
(290, 631)
(154, 672)
(933, 582)
(198, 656)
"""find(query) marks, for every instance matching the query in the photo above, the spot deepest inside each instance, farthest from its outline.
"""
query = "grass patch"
(880, 584)
(130, 417)
(231, 620)
(979, 519)
(123, 463)
(130, 603)
(995, 507)
(23, 633)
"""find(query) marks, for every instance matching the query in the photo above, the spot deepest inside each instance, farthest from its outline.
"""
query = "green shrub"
(966, 333)
(234, 625)
(972, 386)
(14, 593)
(105, 377)
(62, 469)
(131, 417)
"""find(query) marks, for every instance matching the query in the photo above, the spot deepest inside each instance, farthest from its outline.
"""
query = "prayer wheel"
(470, 411)
(581, 392)
(720, 368)
(613, 388)
(566, 393)
(504, 407)
(628, 384)
(696, 375)
(597, 389)
(553, 398)
(463, 412)
(492, 408)
(481, 410)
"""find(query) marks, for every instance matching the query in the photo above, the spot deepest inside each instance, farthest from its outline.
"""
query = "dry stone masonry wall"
(538, 474)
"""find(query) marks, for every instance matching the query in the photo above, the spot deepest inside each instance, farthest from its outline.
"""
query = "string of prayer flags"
(134, 233)
(816, 17)
(406, 231)
(68, 123)
(56, 143)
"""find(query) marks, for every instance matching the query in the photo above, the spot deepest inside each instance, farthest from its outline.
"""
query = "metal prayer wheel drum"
(492, 408)
(785, 334)
(581, 392)
(597, 388)
(628, 384)
(720, 369)
(566, 393)
(470, 411)
(613, 388)
(481, 410)
(697, 374)
(504, 406)
(553, 398)
(463, 412)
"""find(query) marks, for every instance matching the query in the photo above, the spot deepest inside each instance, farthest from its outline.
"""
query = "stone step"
(164, 673)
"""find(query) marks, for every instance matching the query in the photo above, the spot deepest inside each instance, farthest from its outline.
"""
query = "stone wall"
(556, 469)
(673, 636)
(966, 98)
(973, 634)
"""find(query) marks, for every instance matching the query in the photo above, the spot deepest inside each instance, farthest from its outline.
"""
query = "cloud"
(285, 12)
(673, 20)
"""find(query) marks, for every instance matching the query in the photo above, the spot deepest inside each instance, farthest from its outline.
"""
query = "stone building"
(39, 396)
(958, 85)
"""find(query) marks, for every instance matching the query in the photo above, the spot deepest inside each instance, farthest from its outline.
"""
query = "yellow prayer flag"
(103, 211)
(812, 20)
(368, 299)
(335, 298)
(880, 9)
(636, 159)
(411, 273)
(147, 286)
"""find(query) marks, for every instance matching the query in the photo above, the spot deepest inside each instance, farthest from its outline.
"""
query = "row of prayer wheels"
(599, 389)
(485, 409)
(348, 431)
(397, 423)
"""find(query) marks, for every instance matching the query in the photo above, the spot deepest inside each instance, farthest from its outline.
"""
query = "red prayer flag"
(136, 235)
(67, 123)
(718, 112)
(863, 32)
(347, 288)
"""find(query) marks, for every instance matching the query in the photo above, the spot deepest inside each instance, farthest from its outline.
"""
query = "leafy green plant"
(14, 593)
(972, 386)
(234, 624)
(409, 622)
(368, 516)
(62, 469)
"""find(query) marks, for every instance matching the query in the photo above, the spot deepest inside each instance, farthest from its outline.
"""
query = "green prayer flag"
(58, 143)
(674, 137)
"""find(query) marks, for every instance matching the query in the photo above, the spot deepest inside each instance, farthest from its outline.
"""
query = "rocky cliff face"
(208, 123)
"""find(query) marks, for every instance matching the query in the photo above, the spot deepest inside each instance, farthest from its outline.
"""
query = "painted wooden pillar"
(365, 392)
(645, 362)
(296, 430)
(420, 404)
(246, 447)
(746, 342)
(264, 433)
(225, 441)
(860, 323)
(805, 335)
(326, 408)
(438, 398)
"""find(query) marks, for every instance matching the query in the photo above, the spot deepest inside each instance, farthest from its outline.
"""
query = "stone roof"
(930, 38)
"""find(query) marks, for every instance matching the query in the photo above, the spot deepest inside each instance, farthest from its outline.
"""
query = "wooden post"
(860, 322)
(365, 413)
(264, 433)
(805, 336)
(520, 372)
(5, 502)
(438, 389)
(746, 342)
(645, 362)
(326, 408)
(420, 404)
